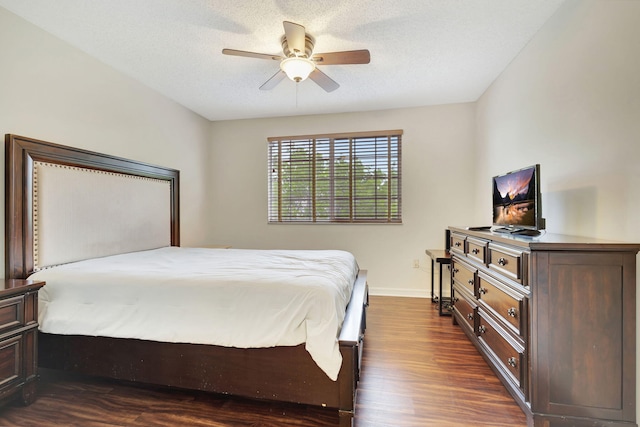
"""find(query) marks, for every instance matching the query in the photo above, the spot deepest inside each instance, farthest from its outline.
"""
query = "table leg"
(440, 289)
(433, 299)
(440, 311)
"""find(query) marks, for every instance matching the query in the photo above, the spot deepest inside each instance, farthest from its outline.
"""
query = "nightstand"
(19, 340)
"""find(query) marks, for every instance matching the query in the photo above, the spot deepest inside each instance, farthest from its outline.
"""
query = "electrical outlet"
(416, 263)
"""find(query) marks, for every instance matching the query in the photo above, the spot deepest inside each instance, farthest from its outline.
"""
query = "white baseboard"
(395, 292)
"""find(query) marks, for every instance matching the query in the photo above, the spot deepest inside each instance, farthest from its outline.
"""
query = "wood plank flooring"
(422, 371)
(418, 370)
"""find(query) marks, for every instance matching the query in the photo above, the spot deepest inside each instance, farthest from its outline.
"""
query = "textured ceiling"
(423, 52)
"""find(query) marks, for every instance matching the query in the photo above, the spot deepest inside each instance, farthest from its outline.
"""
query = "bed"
(142, 217)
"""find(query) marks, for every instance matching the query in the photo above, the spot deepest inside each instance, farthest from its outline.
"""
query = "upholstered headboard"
(65, 204)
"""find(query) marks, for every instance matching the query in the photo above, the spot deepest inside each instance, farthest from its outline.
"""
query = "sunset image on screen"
(514, 198)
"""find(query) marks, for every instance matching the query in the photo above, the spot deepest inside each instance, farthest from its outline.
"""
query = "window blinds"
(343, 178)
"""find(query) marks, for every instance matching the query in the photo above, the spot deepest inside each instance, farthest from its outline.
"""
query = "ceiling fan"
(299, 61)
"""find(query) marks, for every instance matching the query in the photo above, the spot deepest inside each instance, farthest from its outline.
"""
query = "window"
(343, 178)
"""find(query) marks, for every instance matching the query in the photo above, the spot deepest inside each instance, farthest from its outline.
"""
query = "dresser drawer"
(507, 304)
(464, 305)
(11, 312)
(509, 354)
(477, 249)
(10, 361)
(458, 243)
(464, 274)
(506, 261)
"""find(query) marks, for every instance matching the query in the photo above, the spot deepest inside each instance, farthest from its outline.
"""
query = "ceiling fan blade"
(273, 81)
(324, 81)
(295, 34)
(346, 57)
(251, 54)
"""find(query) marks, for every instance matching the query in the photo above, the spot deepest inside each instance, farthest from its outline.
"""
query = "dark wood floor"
(418, 370)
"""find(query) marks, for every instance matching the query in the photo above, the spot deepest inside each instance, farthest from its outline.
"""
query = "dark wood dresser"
(18, 340)
(555, 318)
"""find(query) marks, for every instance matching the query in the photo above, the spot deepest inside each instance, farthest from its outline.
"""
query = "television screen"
(516, 199)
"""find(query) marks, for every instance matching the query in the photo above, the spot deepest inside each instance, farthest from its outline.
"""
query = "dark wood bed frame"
(286, 374)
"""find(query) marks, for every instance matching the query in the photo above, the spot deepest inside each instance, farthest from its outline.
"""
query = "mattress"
(224, 297)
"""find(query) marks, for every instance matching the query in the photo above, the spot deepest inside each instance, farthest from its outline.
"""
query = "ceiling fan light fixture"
(297, 68)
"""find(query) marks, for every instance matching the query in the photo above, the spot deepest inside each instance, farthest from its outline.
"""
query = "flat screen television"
(517, 202)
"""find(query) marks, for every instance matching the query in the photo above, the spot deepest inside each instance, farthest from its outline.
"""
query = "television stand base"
(518, 231)
(527, 232)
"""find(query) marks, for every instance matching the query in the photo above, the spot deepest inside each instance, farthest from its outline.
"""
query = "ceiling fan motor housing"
(309, 42)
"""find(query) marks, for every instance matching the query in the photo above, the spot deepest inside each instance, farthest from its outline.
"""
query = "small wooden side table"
(19, 339)
(442, 258)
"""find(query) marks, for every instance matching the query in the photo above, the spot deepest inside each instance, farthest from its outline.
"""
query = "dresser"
(18, 340)
(554, 317)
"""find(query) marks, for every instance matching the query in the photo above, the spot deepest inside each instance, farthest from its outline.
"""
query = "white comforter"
(226, 297)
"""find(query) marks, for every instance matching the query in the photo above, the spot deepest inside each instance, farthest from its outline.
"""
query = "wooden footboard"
(352, 343)
(285, 374)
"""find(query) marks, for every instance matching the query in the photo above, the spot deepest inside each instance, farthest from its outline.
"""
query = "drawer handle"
(512, 362)
(482, 329)
(458, 244)
(470, 316)
(475, 251)
(470, 281)
(482, 291)
(455, 270)
(456, 299)
(502, 261)
(512, 312)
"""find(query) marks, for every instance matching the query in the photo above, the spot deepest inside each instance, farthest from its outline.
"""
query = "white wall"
(571, 102)
(437, 155)
(53, 92)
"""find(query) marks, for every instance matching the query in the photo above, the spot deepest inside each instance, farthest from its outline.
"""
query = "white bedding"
(226, 297)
